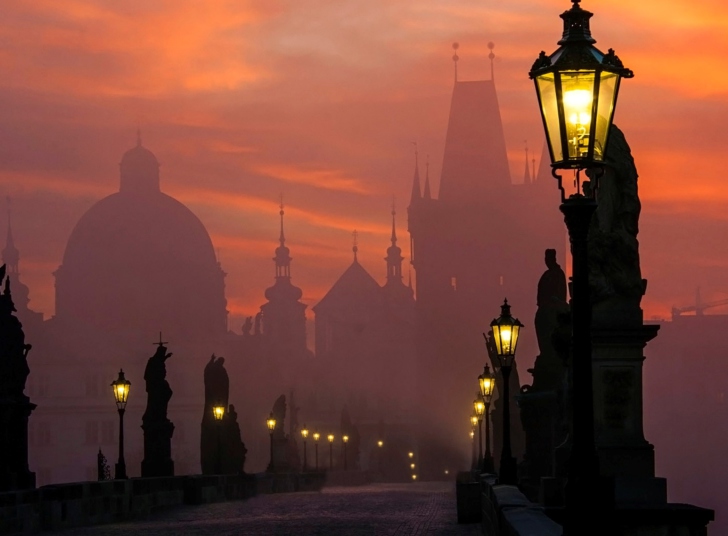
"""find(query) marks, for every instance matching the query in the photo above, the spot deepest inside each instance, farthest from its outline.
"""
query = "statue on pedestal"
(158, 429)
(15, 406)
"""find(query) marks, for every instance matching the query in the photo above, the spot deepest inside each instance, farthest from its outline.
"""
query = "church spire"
(427, 194)
(355, 247)
(527, 172)
(394, 255)
(491, 57)
(283, 257)
(11, 255)
(416, 192)
(455, 58)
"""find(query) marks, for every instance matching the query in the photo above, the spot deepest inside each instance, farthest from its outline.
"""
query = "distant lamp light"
(345, 439)
(479, 408)
(486, 381)
(474, 419)
(330, 437)
(380, 443)
(271, 423)
(447, 472)
(411, 454)
(412, 466)
(414, 477)
(316, 436)
(218, 412)
(304, 432)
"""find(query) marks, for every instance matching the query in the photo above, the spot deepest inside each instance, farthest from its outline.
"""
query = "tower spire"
(394, 231)
(455, 58)
(11, 255)
(283, 257)
(355, 247)
(282, 238)
(527, 173)
(491, 56)
(427, 194)
(394, 255)
(416, 191)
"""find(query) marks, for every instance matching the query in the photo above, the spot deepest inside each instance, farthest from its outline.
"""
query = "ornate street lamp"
(316, 437)
(330, 437)
(577, 89)
(506, 330)
(271, 424)
(121, 393)
(218, 412)
(487, 384)
(345, 439)
(304, 435)
(479, 409)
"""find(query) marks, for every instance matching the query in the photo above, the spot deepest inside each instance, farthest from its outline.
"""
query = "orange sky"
(321, 99)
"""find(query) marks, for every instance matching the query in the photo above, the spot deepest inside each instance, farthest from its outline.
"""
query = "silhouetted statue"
(247, 326)
(294, 458)
(551, 300)
(615, 278)
(158, 429)
(353, 446)
(15, 407)
(280, 461)
(217, 390)
(234, 450)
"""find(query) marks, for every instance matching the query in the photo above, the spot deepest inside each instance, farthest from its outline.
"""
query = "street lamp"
(479, 409)
(577, 89)
(271, 423)
(121, 394)
(218, 412)
(331, 451)
(505, 330)
(380, 443)
(346, 440)
(304, 435)
(487, 384)
(316, 437)
(411, 454)
(473, 463)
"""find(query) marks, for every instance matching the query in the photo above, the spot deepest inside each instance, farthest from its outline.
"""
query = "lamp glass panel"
(577, 89)
(609, 83)
(486, 385)
(218, 412)
(550, 111)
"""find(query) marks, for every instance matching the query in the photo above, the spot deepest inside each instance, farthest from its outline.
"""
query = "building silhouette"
(479, 241)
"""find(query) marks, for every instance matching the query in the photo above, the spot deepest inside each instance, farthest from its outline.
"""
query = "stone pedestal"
(539, 415)
(624, 453)
(14, 471)
(158, 448)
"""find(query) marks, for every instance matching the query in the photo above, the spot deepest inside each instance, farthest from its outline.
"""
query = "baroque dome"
(140, 260)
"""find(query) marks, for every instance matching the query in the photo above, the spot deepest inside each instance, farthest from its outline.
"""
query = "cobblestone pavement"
(378, 509)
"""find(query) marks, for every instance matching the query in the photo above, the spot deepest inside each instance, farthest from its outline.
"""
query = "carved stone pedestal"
(14, 471)
(157, 448)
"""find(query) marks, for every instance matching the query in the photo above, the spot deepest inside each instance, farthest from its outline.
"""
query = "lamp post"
(271, 423)
(121, 393)
(577, 88)
(506, 330)
(487, 384)
(316, 437)
(330, 437)
(345, 439)
(304, 435)
(479, 409)
(473, 423)
(218, 412)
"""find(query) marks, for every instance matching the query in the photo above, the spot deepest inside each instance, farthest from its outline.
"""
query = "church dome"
(141, 260)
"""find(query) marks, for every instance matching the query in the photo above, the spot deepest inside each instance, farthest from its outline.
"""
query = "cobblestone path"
(378, 509)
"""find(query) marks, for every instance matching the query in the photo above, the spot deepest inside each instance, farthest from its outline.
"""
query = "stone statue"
(551, 300)
(615, 279)
(280, 449)
(217, 391)
(158, 429)
(353, 447)
(247, 326)
(279, 413)
(15, 406)
(234, 447)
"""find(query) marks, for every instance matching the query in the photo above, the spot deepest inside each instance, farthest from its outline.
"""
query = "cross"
(160, 343)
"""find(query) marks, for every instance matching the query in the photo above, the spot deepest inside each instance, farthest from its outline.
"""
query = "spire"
(416, 192)
(283, 257)
(491, 56)
(11, 255)
(394, 255)
(355, 247)
(427, 194)
(455, 59)
(527, 173)
(533, 169)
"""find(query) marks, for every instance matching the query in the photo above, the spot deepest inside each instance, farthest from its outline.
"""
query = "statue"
(247, 326)
(217, 391)
(353, 447)
(234, 450)
(615, 278)
(158, 429)
(550, 300)
(15, 406)
(280, 450)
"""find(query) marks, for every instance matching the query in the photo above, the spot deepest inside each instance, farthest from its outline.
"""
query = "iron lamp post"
(345, 439)
(218, 412)
(577, 88)
(121, 394)
(474, 424)
(330, 437)
(271, 424)
(506, 330)
(487, 384)
(479, 408)
(316, 437)
(304, 435)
